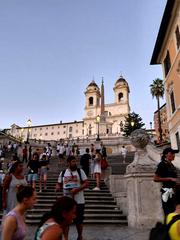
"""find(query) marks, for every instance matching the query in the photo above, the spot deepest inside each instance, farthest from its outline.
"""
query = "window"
(58, 133)
(64, 132)
(40, 128)
(47, 128)
(52, 127)
(64, 126)
(177, 37)
(167, 63)
(52, 133)
(70, 129)
(90, 101)
(46, 134)
(177, 140)
(173, 107)
(120, 96)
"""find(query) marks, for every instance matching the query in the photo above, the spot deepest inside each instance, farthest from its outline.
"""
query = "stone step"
(88, 201)
(86, 193)
(87, 210)
(87, 197)
(88, 205)
(89, 221)
(86, 216)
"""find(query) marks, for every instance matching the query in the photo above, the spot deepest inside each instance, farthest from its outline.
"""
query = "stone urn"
(143, 194)
(139, 139)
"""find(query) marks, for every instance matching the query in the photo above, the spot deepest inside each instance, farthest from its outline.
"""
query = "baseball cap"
(169, 149)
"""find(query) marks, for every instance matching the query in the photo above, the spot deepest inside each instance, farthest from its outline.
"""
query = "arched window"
(70, 129)
(90, 101)
(120, 96)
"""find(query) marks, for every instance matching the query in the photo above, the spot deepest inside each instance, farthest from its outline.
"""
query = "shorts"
(32, 177)
(79, 214)
(43, 171)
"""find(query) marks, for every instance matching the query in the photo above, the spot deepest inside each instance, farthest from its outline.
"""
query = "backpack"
(79, 173)
(161, 230)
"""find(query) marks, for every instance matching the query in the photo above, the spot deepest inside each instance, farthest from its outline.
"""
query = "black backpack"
(161, 231)
(79, 173)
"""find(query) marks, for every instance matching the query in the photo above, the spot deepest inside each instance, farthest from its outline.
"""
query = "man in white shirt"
(74, 181)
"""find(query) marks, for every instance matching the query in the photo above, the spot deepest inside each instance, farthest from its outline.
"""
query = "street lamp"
(29, 123)
(98, 121)
(132, 124)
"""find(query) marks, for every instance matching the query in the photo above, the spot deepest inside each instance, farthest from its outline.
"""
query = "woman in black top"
(167, 174)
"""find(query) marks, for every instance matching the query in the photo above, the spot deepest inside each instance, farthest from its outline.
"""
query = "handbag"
(104, 164)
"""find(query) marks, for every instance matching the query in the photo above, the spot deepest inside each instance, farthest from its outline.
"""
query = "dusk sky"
(50, 50)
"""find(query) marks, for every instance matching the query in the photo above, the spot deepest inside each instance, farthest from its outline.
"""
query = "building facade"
(167, 53)
(111, 117)
(164, 124)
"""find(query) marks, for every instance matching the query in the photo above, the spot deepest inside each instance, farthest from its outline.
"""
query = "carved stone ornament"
(139, 138)
(141, 163)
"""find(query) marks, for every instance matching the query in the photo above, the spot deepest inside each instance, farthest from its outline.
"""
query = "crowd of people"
(19, 191)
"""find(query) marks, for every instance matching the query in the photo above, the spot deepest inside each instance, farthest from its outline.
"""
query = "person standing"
(25, 154)
(14, 227)
(44, 167)
(124, 153)
(33, 166)
(97, 169)
(84, 162)
(74, 181)
(166, 173)
(11, 184)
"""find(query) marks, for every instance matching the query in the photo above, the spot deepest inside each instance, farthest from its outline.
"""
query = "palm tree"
(157, 91)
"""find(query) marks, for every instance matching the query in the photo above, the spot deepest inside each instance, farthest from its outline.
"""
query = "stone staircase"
(100, 205)
(117, 165)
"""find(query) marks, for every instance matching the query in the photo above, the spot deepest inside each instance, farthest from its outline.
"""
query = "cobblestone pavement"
(102, 232)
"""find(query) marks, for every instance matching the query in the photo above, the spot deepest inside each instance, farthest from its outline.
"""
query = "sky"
(50, 50)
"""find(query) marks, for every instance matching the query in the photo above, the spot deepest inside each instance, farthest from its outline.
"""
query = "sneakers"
(96, 189)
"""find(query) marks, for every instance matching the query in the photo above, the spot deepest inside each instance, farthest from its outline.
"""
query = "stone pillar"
(143, 194)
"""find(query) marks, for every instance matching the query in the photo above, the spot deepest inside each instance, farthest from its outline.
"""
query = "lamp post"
(132, 125)
(150, 129)
(29, 123)
(98, 120)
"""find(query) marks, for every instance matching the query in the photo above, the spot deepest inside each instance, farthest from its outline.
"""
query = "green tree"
(132, 122)
(157, 91)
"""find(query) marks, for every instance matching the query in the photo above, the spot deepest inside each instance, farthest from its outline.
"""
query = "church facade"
(105, 119)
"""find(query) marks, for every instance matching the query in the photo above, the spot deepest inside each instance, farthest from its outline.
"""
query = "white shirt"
(123, 151)
(71, 180)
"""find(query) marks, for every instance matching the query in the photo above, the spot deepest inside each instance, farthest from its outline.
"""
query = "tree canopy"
(132, 122)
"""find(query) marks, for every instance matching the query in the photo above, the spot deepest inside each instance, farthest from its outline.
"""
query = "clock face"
(90, 113)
